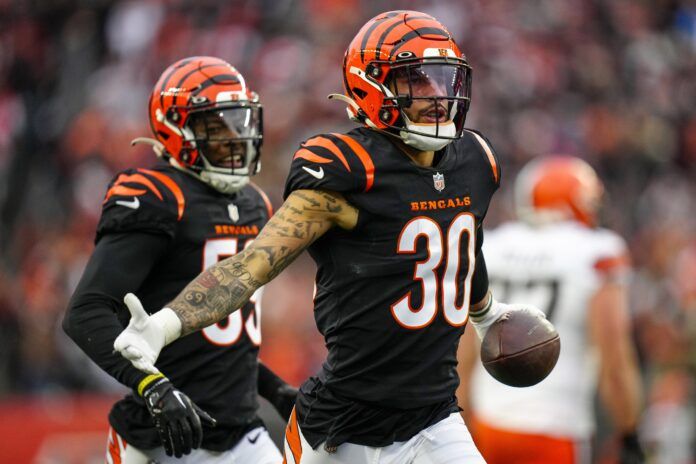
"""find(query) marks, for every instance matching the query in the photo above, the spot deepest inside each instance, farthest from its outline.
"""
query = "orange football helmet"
(558, 188)
(399, 57)
(207, 122)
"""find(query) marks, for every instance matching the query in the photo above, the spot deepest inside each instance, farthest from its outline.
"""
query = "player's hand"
(284, 400)
(178, 420)
(631, 450)
(142, 340)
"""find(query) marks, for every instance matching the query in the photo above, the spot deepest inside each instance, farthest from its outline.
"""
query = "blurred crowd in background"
(612, 81)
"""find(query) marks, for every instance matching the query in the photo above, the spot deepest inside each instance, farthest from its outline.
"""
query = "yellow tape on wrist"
(147, 381)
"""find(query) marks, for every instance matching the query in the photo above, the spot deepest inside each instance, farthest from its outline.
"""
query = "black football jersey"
(393, 293)
(216, 367)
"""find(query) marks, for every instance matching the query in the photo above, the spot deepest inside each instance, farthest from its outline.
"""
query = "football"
(520, 349)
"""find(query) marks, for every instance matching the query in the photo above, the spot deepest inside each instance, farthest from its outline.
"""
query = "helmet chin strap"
(223, 183)
(418, 139)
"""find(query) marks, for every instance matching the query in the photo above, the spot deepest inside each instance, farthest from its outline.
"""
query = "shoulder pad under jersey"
(487, 152)
(336, 162)
(141, 200)
(611, 257)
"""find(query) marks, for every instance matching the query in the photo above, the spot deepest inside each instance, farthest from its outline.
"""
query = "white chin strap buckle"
(422, 136)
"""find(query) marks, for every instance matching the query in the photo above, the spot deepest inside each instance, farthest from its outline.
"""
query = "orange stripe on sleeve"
(123, 190)
(139, 179)
(171, 185)
(489, 154)
(292, 435)
(364, 158)
(329, 145)
(119, 189)
(269, 206)
(612, 263)
(310, 156)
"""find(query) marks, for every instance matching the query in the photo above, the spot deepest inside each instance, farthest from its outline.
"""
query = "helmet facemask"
(426, 101)
(227, 140)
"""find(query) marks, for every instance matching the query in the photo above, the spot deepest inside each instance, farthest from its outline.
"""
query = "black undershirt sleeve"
(268, 382)
(119, 264)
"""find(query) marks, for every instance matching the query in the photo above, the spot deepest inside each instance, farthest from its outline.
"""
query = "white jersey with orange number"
(558, 268)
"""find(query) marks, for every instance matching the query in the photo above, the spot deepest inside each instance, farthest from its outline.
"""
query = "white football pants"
(446, 442)
(255, 447)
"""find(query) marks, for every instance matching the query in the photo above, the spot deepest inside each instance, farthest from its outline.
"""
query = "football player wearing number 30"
(159, 228)
(391, 212)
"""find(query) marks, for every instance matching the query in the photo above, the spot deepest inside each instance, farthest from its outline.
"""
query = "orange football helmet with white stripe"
(201, 105)
(415, 50)
(558, 188)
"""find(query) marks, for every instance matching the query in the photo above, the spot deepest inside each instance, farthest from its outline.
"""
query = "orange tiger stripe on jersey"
(364, 157)
(123, 190)
(489, 154)
(269, 206)
(292, 436)
(171, 185)
(499, 446)
(311, 156)
(114, 449)
(323, 142)
(119, 189)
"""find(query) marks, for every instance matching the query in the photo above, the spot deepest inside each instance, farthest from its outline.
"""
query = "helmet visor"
(429, 80)
(228, 138)
(432, 93)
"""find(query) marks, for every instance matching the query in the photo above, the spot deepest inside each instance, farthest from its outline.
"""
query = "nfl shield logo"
(439, 181)
(233, 211)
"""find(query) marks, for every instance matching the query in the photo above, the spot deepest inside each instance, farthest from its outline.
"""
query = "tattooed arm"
(304, 217)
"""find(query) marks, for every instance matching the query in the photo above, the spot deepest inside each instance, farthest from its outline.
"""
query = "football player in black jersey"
(391, 212)
(161, 227)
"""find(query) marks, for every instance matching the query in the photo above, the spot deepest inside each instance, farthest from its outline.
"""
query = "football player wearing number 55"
(391, 212)
(160, 227)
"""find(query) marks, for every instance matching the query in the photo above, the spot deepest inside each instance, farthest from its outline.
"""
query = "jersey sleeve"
(336, 162)
(96, 314)
(611, 260)
(141, 200)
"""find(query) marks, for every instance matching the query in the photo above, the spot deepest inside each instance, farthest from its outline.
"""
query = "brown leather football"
(520, 349)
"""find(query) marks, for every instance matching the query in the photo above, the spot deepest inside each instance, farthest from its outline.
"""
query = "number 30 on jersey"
(225, 335)
(440, 246)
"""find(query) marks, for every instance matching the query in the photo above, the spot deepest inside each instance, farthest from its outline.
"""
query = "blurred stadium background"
(613, 81)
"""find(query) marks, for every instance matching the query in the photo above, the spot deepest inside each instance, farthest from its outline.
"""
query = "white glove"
(145, 335)
(494, 310)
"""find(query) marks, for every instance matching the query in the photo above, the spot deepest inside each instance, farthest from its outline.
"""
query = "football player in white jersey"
(555, 258)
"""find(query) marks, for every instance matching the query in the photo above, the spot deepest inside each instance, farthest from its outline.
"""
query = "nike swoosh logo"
(133, 204)
(179, 396)
(255, 439)
(319, 173)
